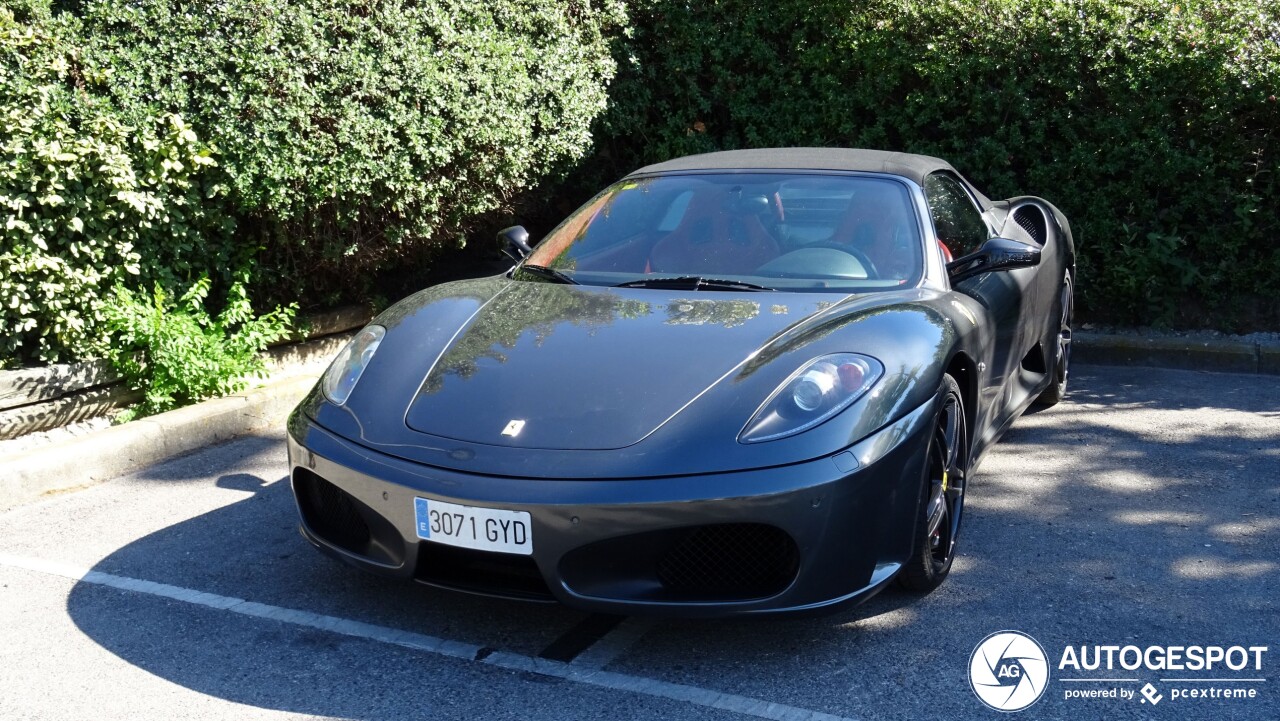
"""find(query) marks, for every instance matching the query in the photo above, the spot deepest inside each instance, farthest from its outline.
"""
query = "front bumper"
(790, 538)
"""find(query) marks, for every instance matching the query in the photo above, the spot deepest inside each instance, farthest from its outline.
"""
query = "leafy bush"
(177, 354)
(1152, 124)
(87, 200)
(352, 134)
(355, 139)
(352, 138)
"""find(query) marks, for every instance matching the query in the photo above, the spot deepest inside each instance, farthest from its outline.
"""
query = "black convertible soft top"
(907, 165)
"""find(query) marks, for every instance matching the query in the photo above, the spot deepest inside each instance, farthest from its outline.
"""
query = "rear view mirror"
(994, 255)
(514, 242)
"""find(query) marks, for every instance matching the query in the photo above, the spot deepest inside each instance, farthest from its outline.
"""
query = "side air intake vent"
(1032, 220)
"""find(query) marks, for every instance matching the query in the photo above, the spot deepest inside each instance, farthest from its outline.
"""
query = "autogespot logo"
(1009, 671)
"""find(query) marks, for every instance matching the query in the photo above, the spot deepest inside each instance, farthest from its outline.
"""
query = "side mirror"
(514, 242)
(995, 254)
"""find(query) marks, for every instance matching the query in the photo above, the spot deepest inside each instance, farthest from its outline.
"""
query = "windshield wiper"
(550, 274)
(691, 282)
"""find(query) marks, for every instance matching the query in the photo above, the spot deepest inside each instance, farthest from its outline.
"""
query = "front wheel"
(1057, 389)
(942, 495)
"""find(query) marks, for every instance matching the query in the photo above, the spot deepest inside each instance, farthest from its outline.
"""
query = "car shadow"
(251, 549)
(1143, 510)
(1119, 516)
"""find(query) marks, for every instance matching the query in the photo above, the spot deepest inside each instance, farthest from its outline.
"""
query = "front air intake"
(730, 560)
(340, 520)
(494, 574)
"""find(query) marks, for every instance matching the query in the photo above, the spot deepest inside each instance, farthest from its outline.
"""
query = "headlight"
(345, 371)
(817, 391)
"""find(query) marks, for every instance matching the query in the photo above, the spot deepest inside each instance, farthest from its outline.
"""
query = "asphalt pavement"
(1144, 511)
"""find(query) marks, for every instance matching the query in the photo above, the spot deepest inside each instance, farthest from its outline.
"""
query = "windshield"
(761, 231)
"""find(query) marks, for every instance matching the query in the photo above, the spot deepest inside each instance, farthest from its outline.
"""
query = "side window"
(955, 218)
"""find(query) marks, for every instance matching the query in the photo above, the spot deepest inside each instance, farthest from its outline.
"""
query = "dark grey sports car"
(743, 382)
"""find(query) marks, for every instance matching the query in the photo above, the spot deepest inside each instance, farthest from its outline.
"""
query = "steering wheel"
(858, 255)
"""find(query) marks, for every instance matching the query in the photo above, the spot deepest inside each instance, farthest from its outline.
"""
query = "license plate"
(484, 529)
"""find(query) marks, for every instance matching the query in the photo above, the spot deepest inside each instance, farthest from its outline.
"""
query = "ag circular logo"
(1008, 671)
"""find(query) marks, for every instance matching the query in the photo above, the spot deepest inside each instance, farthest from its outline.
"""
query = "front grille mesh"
(731, 560)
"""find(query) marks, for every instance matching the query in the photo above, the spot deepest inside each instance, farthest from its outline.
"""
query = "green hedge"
(316, 143)
(88, 200)
(327, 146)
(355, 133)
(1154, 125)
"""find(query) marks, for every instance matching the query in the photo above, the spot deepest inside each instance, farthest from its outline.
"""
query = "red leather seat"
(947, 257)
(876, 222)
(713, 237)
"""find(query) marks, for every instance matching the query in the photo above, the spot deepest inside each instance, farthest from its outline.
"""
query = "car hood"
(682, 371)
(568, 367)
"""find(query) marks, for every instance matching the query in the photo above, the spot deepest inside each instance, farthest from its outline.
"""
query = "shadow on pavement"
(1145, 509)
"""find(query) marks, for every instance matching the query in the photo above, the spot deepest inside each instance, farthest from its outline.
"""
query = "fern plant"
(176, 353)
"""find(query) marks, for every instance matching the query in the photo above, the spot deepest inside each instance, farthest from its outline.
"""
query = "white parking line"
(585, 672)
(614, 644)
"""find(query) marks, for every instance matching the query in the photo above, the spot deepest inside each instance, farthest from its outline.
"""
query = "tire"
(1061, 369)
(942, 491)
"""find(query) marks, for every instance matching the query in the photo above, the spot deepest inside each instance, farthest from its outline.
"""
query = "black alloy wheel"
(942, 497)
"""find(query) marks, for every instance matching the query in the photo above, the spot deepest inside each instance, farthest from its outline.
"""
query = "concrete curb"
(1222, 355)
(116, 451)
